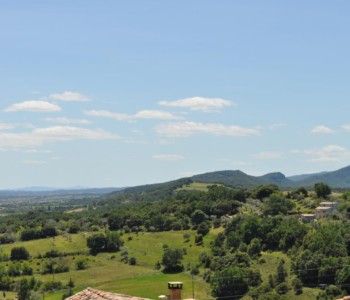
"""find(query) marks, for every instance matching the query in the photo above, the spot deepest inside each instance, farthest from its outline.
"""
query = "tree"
(203, 228)
(104, 243)
(96, 243)
(281, 273)
(297, 286)
(264, 191)
(254, 248)
(113, 242)
(172, 260)
(322, 190)
(19, 253)
(229, 283)
(343, 278)
(23, 290)
(198, 217)
(277, 204)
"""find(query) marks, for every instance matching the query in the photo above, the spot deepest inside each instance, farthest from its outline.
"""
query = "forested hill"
(236, 178)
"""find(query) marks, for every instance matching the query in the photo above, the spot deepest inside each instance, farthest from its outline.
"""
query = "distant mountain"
(237, 178)
(241, 179)
(336, 179)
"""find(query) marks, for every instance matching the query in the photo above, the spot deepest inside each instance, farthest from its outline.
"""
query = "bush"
(104, 243)
(19, 253)
(171, 260)
(254, 248)
(52, 253)
(132, 261)
(203, 228)
(297, 286)
(81, 264)
(322, 190)
(282, 288)
(52, 286)
(199, 239)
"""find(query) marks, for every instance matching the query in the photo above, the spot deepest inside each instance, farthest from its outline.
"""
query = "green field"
(107, 272)
(196, 186)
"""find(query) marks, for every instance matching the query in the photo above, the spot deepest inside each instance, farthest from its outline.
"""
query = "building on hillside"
(93, 294)
(307, 217)
(175, 293)
(344, 298)
(333, 205)
(323, 211)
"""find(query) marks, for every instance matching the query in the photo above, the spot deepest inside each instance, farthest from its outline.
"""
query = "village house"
(307, 217)
(326, 209)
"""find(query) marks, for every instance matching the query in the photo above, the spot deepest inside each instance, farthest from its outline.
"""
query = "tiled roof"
(92, 294)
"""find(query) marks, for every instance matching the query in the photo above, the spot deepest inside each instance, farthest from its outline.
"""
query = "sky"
(120, 93)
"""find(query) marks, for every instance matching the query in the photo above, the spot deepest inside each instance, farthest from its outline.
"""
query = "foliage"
(172, 260)
(322, 190)
(19, 253)
(229, 283)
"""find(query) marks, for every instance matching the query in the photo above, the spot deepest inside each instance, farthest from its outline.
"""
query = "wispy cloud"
(39, 136)
(68, 121)
(268, 155)
(326, 154)
(168, 157)
(322, 129)
(199, 103)
(143, 114)
(34, 162)
(33, 106)
(6, 126)
(186, 129)
(69, 96)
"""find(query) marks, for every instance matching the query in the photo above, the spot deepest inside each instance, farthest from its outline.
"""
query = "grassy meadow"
(107, 272)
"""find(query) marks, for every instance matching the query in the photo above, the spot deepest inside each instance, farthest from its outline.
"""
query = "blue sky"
(115, 93)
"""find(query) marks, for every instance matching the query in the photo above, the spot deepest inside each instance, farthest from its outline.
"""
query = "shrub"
(171, 260)
(282, 288)
(19, 253)
(81, 264)
(132, 261)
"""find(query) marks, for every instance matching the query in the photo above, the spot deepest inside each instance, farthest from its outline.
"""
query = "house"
(333, 205)
(307, 217)
(344, 298)
(323, 211)
(175, 291)
(93, 294)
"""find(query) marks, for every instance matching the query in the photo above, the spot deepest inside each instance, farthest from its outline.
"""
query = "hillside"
(237, 178)
(337, 179)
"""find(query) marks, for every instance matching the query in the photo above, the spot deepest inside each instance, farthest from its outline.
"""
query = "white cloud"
(69, 96)
(322, 129)
(330, 153)
(346, 127)
(68, 121)
(154, 114)
(186, 129)
(143, 114)
(39, 136)
(199, 103)
(267, 155)
(6, 126)
(33, 106)
(168, 157)
(34, 162)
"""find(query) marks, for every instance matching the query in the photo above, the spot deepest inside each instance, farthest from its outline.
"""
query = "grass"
(197, 186)
(107, 272)
(69, 243)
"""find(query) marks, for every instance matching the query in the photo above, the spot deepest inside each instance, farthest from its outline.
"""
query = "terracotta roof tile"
(93, 294)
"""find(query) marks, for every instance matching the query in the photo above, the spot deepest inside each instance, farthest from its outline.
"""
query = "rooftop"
(92, 294)
(323, 208)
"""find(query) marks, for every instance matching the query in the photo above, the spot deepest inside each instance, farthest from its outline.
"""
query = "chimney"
(175, 289)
